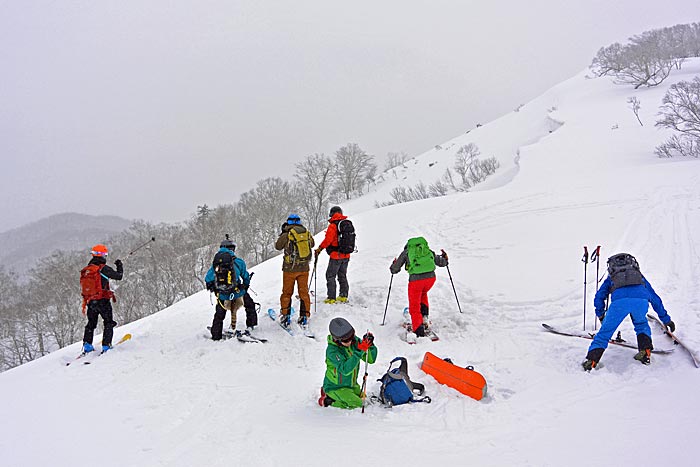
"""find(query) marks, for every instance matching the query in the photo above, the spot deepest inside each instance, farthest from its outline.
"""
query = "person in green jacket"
(344, 354)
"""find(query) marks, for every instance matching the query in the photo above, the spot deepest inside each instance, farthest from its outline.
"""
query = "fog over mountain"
(21, 247)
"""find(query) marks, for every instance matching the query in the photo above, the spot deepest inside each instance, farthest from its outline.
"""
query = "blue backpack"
(397, 387)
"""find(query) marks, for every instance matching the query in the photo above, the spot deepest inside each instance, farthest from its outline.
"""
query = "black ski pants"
(95, 309)
(339, 268)
(251, 314)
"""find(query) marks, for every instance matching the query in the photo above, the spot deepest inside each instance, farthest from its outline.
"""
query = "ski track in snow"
(172, 397)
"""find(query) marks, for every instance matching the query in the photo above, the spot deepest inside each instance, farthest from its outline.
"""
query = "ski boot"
(342, 300)
(303, 320)
(329, 301)
(644, 356)
(588, 365)
(105, 348)
(325, 400)
(87, 347)
(285, 321)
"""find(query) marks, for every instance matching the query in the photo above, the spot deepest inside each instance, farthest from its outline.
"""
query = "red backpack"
(91, 284)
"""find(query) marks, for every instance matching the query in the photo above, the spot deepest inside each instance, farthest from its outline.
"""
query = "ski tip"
(126, 337)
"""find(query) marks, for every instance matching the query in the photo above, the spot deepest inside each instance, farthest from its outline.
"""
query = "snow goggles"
(347, 339)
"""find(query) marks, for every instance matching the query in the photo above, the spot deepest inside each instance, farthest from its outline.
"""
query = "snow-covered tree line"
(648, 58)
(42, 314)
(681, 112)
(467, 165)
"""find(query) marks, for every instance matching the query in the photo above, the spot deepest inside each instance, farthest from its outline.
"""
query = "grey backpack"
(624, 271)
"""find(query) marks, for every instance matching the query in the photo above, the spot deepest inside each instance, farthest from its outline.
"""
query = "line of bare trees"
(467, 165)
(648, 58)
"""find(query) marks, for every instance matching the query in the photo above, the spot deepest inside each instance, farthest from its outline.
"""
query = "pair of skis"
(241, 336)
(411, 337)
(294, 328)
(676, 341)
(617, 341)
(94, 354)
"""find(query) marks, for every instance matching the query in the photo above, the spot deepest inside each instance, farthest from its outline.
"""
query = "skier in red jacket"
(338, 262)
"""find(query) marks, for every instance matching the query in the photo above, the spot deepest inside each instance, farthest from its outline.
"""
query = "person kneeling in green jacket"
(344, 354)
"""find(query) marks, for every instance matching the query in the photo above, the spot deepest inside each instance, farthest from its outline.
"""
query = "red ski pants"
(417, 296)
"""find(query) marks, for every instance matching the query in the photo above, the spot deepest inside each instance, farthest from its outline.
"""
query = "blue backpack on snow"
(397, 387)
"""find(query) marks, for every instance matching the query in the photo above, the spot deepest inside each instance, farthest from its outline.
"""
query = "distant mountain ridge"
(20, 248)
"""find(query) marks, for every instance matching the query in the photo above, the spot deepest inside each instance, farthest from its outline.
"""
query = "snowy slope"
(171, 397)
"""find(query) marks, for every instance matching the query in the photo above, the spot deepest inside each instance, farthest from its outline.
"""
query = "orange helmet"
(99, 250)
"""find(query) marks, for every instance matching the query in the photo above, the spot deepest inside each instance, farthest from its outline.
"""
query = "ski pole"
(387, 298)
(363, 393)
(249, 289)
(595, 257)
(313, 273)
(452, 282)
(152, 239)
(315, 277)
(585, 282)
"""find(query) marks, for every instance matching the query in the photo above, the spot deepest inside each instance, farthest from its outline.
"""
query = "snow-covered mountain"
(576, 169)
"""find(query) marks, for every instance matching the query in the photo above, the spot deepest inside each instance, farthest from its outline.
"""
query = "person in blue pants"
(630, 295)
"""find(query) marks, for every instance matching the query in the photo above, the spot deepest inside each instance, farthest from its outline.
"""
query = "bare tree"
(464, 160)
(56, 297)
(354, 166)
(263, 210)
(315, 175)
(395, 159)
(681, 112)
(635, 105)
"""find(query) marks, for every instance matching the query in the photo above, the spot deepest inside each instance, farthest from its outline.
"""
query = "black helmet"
(341, 330)
(228, 244)
(335, 209)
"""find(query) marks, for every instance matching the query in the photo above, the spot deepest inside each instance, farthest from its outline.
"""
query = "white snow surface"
(577, 169)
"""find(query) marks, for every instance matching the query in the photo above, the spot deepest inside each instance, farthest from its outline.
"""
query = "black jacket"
(108, 272)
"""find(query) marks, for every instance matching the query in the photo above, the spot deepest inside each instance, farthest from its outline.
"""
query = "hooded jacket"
(283, 243)
(331, 238)
(631, 291)
(243, 275)
(403, 260)
(343, 364)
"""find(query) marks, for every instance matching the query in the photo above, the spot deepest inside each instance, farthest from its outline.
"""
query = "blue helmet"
(294, 219)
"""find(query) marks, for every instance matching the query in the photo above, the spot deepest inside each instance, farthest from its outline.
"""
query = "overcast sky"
(146, 109)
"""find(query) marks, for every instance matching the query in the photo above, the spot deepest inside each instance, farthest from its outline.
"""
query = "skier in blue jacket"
(631, 295)
(231, 297)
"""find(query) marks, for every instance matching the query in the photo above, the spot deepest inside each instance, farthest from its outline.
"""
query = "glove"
(444, 255)
(364, 345)
(670, 326)
(317, 251)
(210, 286)
(118, 263)
(369, 337)
(391, 267)
(601, 317)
